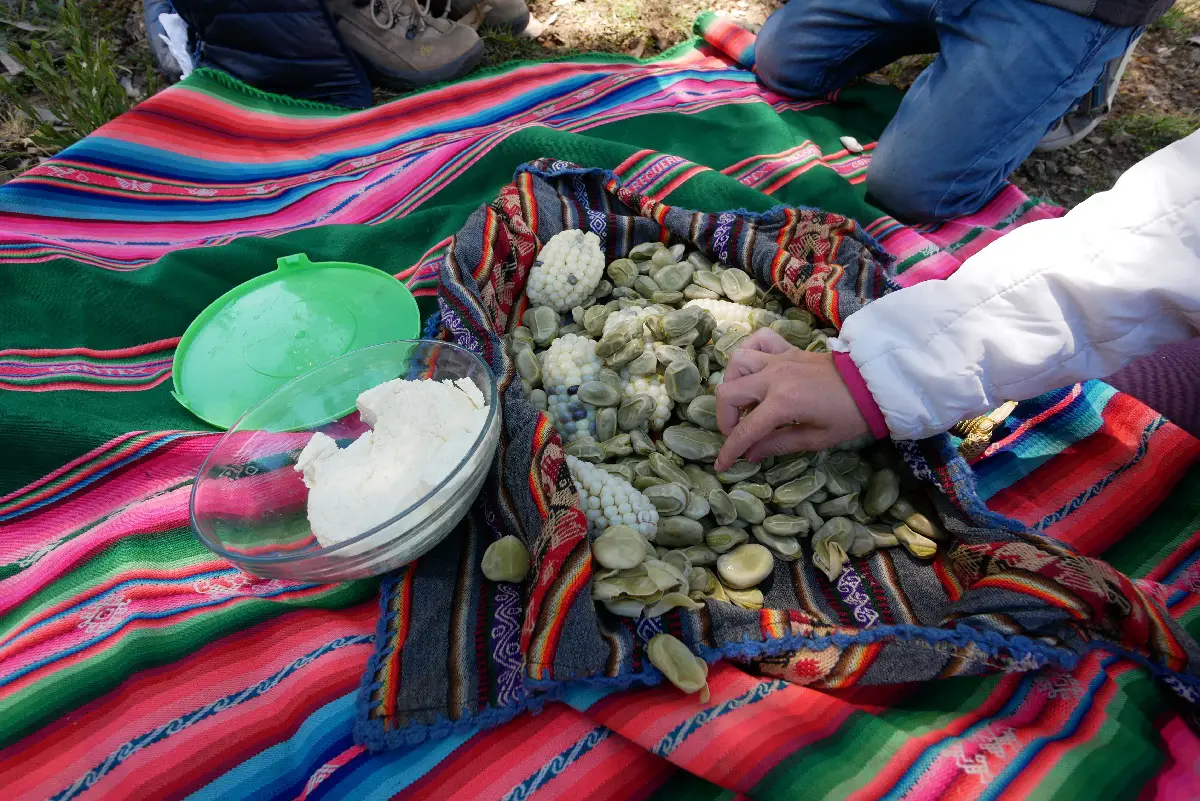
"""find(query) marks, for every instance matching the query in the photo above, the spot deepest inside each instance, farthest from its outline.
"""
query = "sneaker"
(157, 36)
(1090, 110)
(509, 15)
(402, 45)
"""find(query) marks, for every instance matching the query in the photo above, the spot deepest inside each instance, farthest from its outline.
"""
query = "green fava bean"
(840, 506)
(586, 449)
(738, 286)
(786, 549)
(692, 442)
(751, 599)
(702, 481)
(681, 380)
(786, 525)
(606, 424)
(506, 559)
(700, 555)
(745, 566)
(623, 272)
(748, 507)
(642, 444)
(680, 666)
(622, 470)
(529, 367)
(697, 506)
(798, 490)
(723, 509)
(679, 532)
(703, 412)
(739, 471)
(634, 412)
(619, 547)
(664, 468)
(668, 499)
(756, 488)
(617, 446)
(725, 539)
(625, 355)
(675, 277)
(597, 393)
(788, 471)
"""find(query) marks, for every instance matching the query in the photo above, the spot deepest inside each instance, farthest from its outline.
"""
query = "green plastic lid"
(261, 334)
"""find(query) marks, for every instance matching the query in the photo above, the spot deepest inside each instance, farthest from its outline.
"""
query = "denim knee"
(781, 65)
(914, 189)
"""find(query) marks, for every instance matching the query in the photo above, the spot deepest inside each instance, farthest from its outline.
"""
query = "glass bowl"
(249, 505)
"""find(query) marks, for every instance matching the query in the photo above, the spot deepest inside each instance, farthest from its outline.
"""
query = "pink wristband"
(862, 396)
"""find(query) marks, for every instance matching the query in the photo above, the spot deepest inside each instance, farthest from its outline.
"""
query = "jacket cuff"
(867, 406)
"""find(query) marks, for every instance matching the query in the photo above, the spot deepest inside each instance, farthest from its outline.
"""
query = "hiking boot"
(402, 45)
(1090, 110)
(508, 15)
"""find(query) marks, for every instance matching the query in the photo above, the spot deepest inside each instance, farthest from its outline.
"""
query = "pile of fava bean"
(628, 377)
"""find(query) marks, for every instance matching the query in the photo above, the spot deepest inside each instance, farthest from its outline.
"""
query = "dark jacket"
(288, 47)
(1121, 13)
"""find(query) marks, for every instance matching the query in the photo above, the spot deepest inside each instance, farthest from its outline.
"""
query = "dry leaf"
(130, 92)
(25, 26)
(11, 66)
(639, 47)
(534, 29)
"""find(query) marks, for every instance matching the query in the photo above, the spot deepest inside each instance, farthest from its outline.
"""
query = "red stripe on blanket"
(1120, 505)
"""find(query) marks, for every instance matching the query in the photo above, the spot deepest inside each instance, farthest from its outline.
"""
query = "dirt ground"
(1158, 102)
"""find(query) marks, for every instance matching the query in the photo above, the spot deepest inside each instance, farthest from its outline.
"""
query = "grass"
(500, 46)
(70, 69)
(1152, 132)
(904, 70)
(1182, 20)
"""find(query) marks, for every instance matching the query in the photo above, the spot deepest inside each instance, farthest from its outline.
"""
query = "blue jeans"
(1006, 70)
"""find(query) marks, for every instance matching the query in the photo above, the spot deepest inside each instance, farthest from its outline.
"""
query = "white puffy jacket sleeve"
(1050, 304)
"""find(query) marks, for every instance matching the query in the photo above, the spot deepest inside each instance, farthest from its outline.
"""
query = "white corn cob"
(570, 360)
(608, 500)
(567, 270)
(641, 313)
(653, 386)
(723, 310)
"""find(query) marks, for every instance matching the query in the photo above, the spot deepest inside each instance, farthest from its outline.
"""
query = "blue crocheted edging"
(432, 325)
(1155, 669)
(384, 645)
(649, 676)
(990, 643)
(963, 479)
(372, 734)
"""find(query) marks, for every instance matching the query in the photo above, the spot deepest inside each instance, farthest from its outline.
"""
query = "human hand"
(800, 403)
(754, 353)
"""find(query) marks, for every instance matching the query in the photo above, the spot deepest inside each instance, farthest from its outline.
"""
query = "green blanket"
(134, 661)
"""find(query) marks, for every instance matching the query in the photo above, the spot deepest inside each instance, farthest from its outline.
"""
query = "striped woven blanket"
(133, 663)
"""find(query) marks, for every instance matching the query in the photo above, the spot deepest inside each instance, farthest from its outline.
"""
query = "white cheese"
(420, 431)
